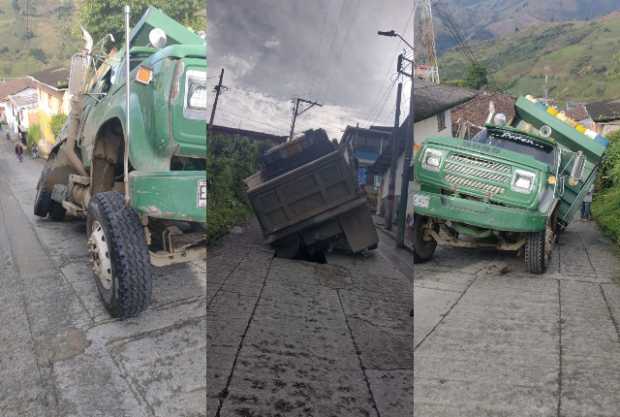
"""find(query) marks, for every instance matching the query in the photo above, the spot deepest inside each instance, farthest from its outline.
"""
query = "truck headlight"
(523, 181)
(431, 159)
(195, 106)
(197, 97)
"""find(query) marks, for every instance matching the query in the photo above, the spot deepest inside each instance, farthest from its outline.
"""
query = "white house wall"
(422, 130)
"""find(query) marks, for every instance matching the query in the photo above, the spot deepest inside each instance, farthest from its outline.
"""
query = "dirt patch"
(334, 276)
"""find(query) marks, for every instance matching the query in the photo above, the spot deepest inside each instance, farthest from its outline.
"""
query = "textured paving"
(292, 338)
(492, 340)
(60, 352)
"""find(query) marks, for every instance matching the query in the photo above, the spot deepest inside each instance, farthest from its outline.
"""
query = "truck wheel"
(424, 246)
(535, 253)
(57, 211)
(42, 203)
(119, 255)
(288, 248)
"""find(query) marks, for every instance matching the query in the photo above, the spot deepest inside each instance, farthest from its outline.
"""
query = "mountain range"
(488, 19)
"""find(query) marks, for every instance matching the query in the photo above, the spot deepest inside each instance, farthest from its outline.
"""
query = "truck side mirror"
(576, 173)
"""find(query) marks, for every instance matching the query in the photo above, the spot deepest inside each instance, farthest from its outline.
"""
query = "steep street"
(493, 340)
(61, 353)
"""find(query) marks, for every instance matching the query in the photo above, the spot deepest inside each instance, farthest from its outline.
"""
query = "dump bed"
(567, 136)
(302, 193)
(570, 141)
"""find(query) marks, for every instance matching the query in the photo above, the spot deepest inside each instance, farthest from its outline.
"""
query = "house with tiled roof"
(17, 98)
(469, 118)
(605, 116)
(433, 116)
(35, 99)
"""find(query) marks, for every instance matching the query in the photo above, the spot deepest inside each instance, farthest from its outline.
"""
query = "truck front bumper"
(171, 195)
(477, 213)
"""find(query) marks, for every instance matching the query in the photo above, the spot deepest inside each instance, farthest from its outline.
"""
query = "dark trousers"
(585, 210)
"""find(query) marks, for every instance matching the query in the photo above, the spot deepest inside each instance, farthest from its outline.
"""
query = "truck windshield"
(516, 142)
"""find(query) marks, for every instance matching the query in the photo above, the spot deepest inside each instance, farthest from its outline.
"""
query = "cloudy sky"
(324, 50)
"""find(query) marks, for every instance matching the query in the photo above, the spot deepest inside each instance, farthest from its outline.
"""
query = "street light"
(393, 34)
(404, 190)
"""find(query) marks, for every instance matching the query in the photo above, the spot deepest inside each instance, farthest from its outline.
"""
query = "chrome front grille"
(473, 184)
(476, 174)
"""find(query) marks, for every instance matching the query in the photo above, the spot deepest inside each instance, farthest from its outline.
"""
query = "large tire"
(119, 255)
(423, 248)
(57, 211)
(42, 203)
(535, 255)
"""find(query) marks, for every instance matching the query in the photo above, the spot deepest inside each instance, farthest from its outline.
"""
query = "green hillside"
(50, 41)
(488, 19)
(583, 60)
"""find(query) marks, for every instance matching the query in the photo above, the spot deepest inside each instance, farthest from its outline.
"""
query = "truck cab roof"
(532, 135)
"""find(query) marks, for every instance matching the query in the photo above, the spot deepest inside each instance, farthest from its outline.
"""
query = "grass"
(606, 203)
(583, 58)
(229, 161)
(52, 35)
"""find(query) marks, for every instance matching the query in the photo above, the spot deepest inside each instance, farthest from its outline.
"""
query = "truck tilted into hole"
(131, 158)
(513, 187)
(307, 199)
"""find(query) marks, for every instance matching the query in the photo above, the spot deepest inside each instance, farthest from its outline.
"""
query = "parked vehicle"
(512, 187)
(307, 198)
(131, 158)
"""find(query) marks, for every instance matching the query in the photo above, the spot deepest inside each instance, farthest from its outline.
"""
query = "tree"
(476, 77)
(100, 17)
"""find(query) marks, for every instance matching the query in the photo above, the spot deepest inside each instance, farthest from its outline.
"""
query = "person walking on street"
(586, 206)
(19, 151)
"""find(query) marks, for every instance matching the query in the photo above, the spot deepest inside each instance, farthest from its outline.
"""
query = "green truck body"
(510, 187)
(136, 172)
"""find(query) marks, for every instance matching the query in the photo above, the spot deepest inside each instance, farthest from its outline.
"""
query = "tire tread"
(128, 254)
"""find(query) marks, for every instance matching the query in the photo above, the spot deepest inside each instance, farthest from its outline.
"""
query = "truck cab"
(512, 187)
(131, 159)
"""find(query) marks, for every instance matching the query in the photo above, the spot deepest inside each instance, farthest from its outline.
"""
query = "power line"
(218, 89)
(389, 69)
(379, 112)
(298, 112)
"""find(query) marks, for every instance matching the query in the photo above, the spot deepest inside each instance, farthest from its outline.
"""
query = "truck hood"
(488, 175)
(493, 152)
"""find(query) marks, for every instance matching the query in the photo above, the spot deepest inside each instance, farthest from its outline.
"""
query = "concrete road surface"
(294, 338)
(493, 340)
(60, 352)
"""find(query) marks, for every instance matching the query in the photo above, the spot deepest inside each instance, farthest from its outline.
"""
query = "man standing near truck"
(586, 206)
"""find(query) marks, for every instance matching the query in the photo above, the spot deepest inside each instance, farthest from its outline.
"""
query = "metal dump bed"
(570, 141)
(316, 202)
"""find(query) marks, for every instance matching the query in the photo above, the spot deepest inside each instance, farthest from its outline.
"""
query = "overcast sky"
(324, 50)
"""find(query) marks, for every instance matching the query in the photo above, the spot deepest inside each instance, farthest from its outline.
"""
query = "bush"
(606, 204)
(229, 161)
(57, 123)
(33, 135)
(39, 55)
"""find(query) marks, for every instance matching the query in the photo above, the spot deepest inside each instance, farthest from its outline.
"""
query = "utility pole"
(298, 112)
(407, 168)
(409, 142)
(218, 89)
(389, 217)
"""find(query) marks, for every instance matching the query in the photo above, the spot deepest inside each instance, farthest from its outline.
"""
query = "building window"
(441, 121)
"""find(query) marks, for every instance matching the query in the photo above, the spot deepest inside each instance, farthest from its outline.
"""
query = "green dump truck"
(514, 186)
(131, 159)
